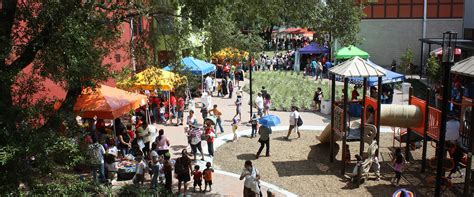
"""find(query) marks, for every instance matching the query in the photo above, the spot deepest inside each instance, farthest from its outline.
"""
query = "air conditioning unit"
(372, 1)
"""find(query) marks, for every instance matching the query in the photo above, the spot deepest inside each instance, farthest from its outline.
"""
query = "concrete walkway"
(226, 183)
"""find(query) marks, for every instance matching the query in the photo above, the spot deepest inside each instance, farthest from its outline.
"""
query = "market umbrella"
(212, 119)
(269, 120)
(106, 102)
(350, 52)
(153, 78)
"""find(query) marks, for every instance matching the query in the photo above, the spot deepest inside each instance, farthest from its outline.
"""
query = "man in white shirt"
(209, 85)
(259, 103)
(294, 115)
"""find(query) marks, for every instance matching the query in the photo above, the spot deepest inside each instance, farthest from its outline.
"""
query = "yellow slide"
(390, 115)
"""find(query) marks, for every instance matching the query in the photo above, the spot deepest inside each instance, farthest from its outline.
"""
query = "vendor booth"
(311, 49)
(350, 52)
(196, 67)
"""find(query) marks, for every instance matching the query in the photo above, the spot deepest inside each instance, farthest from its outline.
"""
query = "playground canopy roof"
(195, 66)
(464, 67)
(349, 52)
(106, 102)
(357, 67)
(313, 48)
(390, 76)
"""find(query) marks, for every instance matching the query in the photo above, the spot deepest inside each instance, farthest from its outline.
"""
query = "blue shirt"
(313, 64)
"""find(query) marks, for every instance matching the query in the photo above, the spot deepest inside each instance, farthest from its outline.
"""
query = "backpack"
(299, 122)
(180, 166)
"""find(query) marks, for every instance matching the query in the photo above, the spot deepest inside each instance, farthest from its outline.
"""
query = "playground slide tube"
(391, 115)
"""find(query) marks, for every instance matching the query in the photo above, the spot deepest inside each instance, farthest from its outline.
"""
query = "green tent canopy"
(350, 52)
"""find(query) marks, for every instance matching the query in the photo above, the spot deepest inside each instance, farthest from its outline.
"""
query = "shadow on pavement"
(246, 156)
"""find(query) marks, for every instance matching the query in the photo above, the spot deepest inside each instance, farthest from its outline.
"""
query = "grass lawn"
(289, 88)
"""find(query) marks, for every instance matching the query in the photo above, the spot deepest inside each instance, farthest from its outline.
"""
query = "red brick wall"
(406, 9)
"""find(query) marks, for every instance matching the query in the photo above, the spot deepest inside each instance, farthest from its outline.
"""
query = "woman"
(210, 133)
(231, 88)
(252, 180)
(238, 107)
(195, 140)
(145, 133)
(162, 144)
(182, 170)
(266, 104)
(190, 120)
(294, 116)
(264, 139)
(123, 138)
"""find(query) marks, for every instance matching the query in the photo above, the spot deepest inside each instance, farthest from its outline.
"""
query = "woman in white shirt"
(110, 160)
(252, 180)
(294, 115)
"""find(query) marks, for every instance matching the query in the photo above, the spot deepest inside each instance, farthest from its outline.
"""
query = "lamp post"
(449, 44)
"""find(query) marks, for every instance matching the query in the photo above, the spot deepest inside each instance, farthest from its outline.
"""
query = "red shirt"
(173, 101)
(197, 175)
(355, 94)
(210, 133)
(181, 104)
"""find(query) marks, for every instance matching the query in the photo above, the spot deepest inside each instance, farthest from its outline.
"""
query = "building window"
(117, 58)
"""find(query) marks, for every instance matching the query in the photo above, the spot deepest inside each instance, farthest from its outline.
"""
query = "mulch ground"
(302, 166)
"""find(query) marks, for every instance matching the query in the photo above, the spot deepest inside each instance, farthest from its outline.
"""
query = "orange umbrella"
(106, 102)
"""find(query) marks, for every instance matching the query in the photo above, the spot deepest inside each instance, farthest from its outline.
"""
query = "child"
(168, 171)
(161, 173)
(204, 111)
(234, 129)
(208, 176)
(399, 161)
(377, 167)
(355, 172)
(162, 113)
(348, 154)
(254, 126)
(197, 177)
(140, 173)
(219, 89)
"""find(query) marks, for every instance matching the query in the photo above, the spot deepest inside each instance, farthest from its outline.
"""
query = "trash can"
(405, 90)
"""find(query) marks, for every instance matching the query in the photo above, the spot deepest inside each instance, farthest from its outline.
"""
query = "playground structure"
(417, 119)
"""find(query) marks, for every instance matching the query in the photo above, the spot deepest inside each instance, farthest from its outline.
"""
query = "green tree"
(406, 61)
(66, 42)
(433, 69)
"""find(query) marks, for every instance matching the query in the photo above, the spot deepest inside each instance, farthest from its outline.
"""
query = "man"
(209, 85)
(172, 108)
(218, 114)
(259, 103)
(294, 115)
(327, 66)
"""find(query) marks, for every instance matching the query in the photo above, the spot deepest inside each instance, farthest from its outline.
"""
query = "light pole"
(449, 44)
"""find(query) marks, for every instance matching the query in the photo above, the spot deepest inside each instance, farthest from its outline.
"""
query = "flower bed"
(290, 88)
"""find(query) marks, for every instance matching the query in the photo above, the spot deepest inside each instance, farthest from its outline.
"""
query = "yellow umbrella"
(154, 78)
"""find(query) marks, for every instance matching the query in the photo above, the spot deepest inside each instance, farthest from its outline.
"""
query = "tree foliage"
(65, 41)
(433, 69)
(406, 61)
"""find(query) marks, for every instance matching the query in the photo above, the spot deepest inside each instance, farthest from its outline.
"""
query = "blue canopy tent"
(313, 48)
(196, 67)
(390, 77)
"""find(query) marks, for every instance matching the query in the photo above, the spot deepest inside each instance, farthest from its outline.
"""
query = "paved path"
(225, 183)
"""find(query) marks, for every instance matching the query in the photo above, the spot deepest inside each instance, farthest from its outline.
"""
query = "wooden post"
(344, 127)
(407, 150)
(379, 97)
(425, 130)
(362, 121)
(333, 103)
(467, 180)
